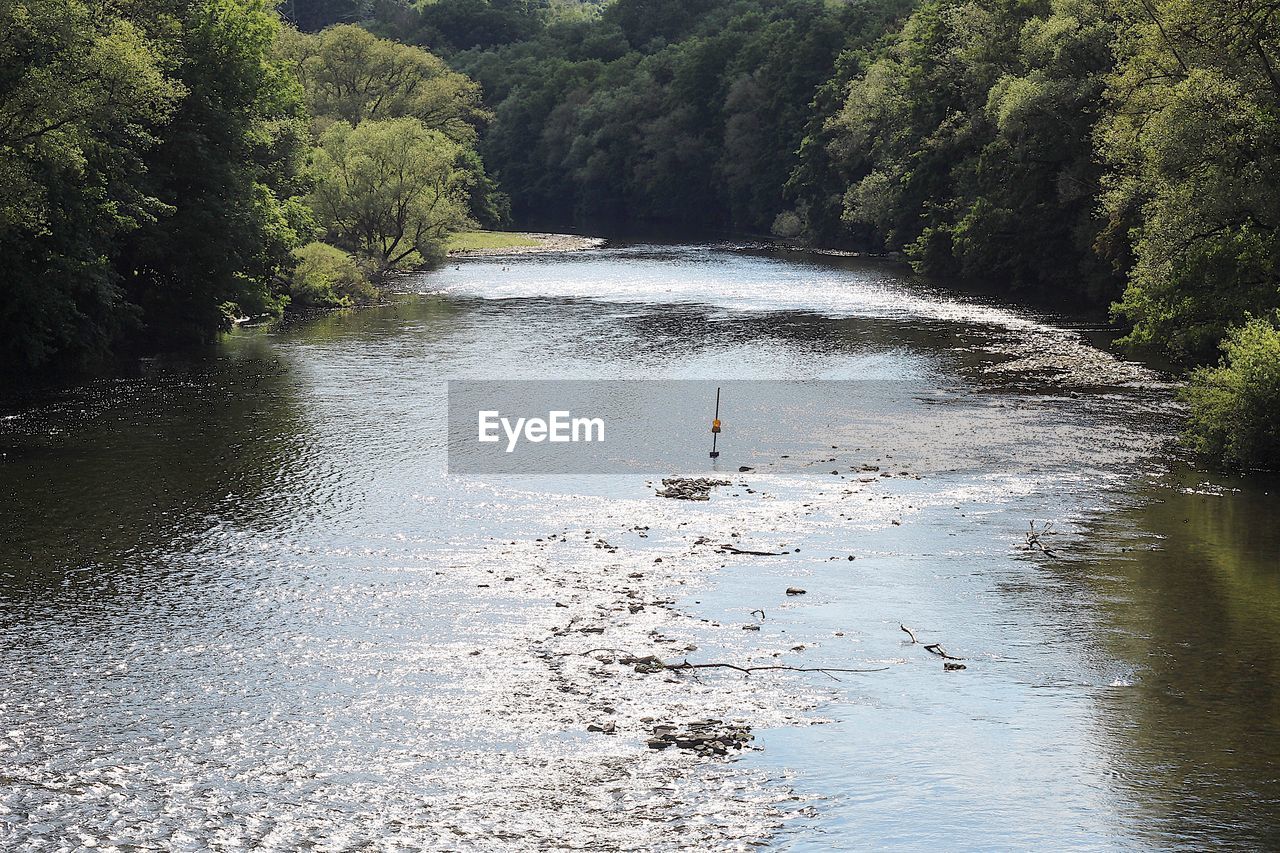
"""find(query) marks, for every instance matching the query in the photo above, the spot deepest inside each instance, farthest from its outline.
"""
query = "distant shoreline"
(485, 243)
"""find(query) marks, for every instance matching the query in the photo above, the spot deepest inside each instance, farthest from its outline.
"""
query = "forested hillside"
(167, 166)
(688, 112)
(170, 164)
(1120, 153)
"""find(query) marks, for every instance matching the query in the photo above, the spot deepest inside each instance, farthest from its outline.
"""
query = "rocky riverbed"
(248, 605)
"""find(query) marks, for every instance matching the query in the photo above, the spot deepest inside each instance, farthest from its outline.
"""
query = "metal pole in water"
(715, 428)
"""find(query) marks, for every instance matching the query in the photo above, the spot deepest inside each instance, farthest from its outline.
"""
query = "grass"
(472, 240)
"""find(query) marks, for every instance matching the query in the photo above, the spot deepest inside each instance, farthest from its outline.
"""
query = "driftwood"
(1035, 540)
(747, 670)
(932, 648)
(937, 649)
(748, 553)
(652, 663)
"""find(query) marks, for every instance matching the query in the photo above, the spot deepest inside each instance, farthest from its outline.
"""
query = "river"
(243, 604)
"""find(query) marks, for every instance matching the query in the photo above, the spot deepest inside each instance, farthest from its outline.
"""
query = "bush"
(788, 225)
(1235, 407)
(326, 277)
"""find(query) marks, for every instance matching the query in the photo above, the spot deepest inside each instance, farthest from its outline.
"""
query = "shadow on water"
(107, 484)
(1190, 583)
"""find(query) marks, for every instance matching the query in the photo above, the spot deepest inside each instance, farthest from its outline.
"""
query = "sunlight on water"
(242, 606)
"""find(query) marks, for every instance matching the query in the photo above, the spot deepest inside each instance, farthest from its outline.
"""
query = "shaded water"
(242, 605)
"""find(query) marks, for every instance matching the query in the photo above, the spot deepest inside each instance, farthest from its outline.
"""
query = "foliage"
(149, 157)
(1193, 136)
(81, 95)
(388, 190)
(967, 142)
(314, 15)
(347, 73)
(327, 277)
(229, 167)
(788, 225)
(153, 180)
(677, 111)
(1235, 407)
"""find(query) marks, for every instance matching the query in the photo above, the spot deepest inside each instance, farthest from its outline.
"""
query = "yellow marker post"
(715, 428)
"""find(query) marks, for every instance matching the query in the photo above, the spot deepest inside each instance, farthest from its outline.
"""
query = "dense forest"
(169, 165)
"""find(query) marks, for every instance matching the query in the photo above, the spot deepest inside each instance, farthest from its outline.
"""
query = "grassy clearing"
(470, 241)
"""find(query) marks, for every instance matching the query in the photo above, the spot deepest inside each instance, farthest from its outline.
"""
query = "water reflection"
(1191, 576)
(105, 474)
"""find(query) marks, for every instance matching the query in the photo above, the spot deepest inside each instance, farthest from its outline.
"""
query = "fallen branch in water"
(940, 652)
(746, 553)
(747, 670)
(653, 663)
(761, 612)
(1035, 540)
(616, 652)
(933, 648)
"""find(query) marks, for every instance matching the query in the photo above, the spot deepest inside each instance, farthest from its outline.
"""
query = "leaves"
(388, 189)
(1193, 139)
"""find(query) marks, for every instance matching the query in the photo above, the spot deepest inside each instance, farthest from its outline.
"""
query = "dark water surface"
(243, 606)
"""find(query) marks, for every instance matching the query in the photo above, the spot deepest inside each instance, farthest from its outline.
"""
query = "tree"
(82, 95)
(327, 277)
(1235, 407)
(388, 190)
(1193, 140)
(313, 15)
(967, 142)
(348, 73)
(229, 168)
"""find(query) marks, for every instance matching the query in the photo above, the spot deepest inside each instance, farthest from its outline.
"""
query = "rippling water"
(242, 605)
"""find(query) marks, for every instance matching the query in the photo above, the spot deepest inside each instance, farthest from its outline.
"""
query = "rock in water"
(698, 489)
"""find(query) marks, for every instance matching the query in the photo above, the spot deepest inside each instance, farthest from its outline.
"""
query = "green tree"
(967, 142)
(1235, 407)
(389, 190)
(314, 15)
(229, 168)
(82, 94)
(1193, 138)
(671, 111)
(350, 74)
(327, 277)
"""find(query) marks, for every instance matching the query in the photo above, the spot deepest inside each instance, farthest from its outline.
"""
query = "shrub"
(788, 225)
(1235, 407)
(327, 277)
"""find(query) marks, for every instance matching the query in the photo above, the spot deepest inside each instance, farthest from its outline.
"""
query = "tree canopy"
(388, 190)
(154, 178)
(162, 161)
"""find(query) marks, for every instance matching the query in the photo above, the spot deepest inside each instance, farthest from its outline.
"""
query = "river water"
(244, 605)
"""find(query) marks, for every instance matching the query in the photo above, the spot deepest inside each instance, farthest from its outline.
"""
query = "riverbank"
(468, 244)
